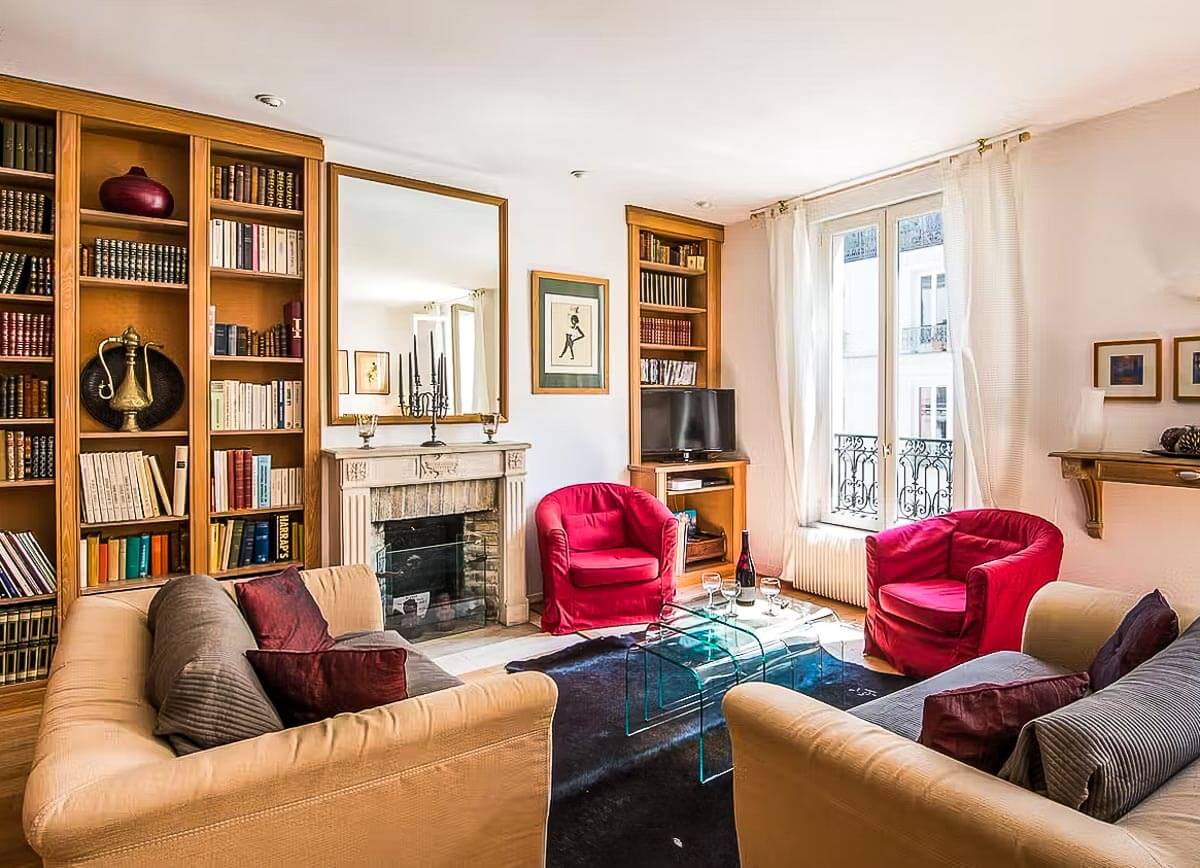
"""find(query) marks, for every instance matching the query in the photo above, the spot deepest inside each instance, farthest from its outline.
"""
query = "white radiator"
(832, 562)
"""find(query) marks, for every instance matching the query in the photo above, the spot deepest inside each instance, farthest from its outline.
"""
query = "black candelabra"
(432, 403)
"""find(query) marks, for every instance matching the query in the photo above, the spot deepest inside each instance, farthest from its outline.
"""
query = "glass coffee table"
(691, 656)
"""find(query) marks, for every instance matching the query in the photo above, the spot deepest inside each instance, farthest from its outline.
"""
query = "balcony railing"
(925, 338)
(924, 476)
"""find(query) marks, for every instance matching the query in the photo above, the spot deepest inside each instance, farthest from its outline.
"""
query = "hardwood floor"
(18, 730)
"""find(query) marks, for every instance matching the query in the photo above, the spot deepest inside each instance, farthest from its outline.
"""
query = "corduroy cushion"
(313, 685)
(1146, 629)
(282, 613)
(422, 674)
(979, 725)
(199, 679)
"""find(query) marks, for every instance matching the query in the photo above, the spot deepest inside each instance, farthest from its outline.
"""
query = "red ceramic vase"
(136, 193)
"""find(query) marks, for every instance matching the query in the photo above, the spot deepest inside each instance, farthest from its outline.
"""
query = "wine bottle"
(746, 577)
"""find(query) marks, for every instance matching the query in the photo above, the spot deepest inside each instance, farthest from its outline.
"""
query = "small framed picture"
(1187, 368)
(372, 373)
(1128, 370)
(343, 372)
(569, 333)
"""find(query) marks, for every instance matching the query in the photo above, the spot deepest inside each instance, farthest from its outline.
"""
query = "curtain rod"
(979, 145)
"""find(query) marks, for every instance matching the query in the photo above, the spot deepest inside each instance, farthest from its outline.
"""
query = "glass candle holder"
(365, 425)
(491, 424)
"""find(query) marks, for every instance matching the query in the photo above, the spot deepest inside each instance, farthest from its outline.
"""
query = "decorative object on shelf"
(491, 424)
(135, 192)
(343, 373)
(1187, 368)
(1089, 429)
(365, 424)
(133, 405)
(372, 373)
(432, 403)
(570, 333)
(1128, 370)
(1182, 440)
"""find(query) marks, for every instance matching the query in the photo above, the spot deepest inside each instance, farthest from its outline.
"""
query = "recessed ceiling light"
(578, 174)
(704, 203)
(269, 99)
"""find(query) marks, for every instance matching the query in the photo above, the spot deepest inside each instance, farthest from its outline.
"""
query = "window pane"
(924, 444)
(854, 307)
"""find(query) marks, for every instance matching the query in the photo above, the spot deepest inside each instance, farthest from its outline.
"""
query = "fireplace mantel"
(349, 475)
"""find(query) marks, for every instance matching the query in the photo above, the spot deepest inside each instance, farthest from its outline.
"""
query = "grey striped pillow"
(1106, 752)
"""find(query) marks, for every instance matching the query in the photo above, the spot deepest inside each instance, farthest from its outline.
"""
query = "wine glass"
(769, 586)
(711, 583)
(730, 590)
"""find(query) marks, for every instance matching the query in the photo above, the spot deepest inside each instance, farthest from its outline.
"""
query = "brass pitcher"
(129, 398)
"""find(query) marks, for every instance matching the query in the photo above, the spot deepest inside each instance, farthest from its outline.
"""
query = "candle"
(400, 379)
(416, 360)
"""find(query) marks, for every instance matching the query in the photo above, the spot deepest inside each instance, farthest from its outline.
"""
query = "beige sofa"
(814, 786)
(457, 777)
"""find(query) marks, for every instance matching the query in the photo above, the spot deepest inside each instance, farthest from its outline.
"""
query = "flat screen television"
(687, 423)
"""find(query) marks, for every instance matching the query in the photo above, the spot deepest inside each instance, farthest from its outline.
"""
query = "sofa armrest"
(865, 796)
(1067, 623)
(435, 780)
(998, 597)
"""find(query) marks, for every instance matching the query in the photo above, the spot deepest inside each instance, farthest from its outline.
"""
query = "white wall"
(1112, 250)
(553, 225)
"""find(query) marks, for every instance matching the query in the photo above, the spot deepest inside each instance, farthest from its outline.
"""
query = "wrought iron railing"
(925, 338)
(924, 476)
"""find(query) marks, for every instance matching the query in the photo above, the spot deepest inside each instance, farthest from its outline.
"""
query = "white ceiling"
(666, 102)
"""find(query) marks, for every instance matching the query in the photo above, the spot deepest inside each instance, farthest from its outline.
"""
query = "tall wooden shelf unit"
(100, 136)
(722, 507)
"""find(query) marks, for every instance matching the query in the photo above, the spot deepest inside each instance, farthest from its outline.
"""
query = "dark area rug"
(636, 800)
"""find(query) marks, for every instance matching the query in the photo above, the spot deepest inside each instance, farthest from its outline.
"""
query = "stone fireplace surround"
(484, 482)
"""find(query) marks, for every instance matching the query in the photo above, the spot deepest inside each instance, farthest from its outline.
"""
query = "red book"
(293, 321)
(247, 491)
(231, 488)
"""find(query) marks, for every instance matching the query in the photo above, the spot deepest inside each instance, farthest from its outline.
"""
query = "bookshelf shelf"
(707, 489)
(671, 308)
(269, 360)
(258, 510)
(128, 584)
(254, 213)
(674, 348)
(247, 274)
(259, 432)
(136, 522)
(21, 423)
(25, 483)
(22, 298)
(31, 360)
(39, 238)
(25, 178)
(35, 598)
(157, 434)
(255, 569)
(664, 268)
(137, 285)
(114, 219)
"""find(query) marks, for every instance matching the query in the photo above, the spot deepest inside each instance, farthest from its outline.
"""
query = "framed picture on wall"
(372, 373)
(1187, 368)
(569, 333)
(343, 372)
(1128, 370)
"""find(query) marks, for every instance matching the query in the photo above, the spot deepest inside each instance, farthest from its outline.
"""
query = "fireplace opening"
(432, 576)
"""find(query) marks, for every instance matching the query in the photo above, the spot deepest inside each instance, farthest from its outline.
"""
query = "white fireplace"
(365, 488)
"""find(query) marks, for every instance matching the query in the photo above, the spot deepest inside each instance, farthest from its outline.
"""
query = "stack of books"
(284, 339)
(26, 456)
(26, 145)
(28, 635)
(687, 254)
(24, 397)
(668, 372)
(257, 185)
(659, 288)
(26, 334)
(23, 274)
(240, 542)
(666, 330)
(119, 259)
(238, 406)
(243, 480)
(25, 571)
(129, 486)
(257, 247)
(25, 211)
(138, 556)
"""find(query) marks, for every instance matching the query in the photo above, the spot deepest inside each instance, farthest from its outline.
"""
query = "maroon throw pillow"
(979, 725)
(282, 614)
(1146, 629)
(312, 685)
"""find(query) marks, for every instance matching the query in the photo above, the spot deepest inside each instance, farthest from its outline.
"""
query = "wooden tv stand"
(719, 507)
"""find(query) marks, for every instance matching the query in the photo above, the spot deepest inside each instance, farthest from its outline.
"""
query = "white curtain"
(989, 326)
(487, 352)
(800, 318)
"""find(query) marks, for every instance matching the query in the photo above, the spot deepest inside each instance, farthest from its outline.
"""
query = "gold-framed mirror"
(417, 272)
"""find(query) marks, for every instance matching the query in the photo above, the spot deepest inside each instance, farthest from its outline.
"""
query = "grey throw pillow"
(422, 674)
(206, 692)
(1105, 753)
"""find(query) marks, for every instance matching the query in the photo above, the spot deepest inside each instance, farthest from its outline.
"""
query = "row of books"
(25, 571)
(238, 406)
(27, 456)
(257, 185)
(688, 254)
(23, 396)
(23, 274)
(137, 556)
(28, 635)
(669, 289)
(26, 334)
(243, 480)
(129, 486)
(284, 339)
(25, 211)
(240, 542)
(134, 260)
(256, 247)
(27, 145)
(668, 372)
(666, 330)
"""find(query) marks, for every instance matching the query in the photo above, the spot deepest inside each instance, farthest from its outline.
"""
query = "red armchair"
(608, 556)
(955, 587)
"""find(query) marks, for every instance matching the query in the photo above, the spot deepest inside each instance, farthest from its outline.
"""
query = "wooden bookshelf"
(113, 219)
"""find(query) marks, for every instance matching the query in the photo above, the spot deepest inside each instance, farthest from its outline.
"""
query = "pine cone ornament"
(1189, 441)
(1171, 436)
